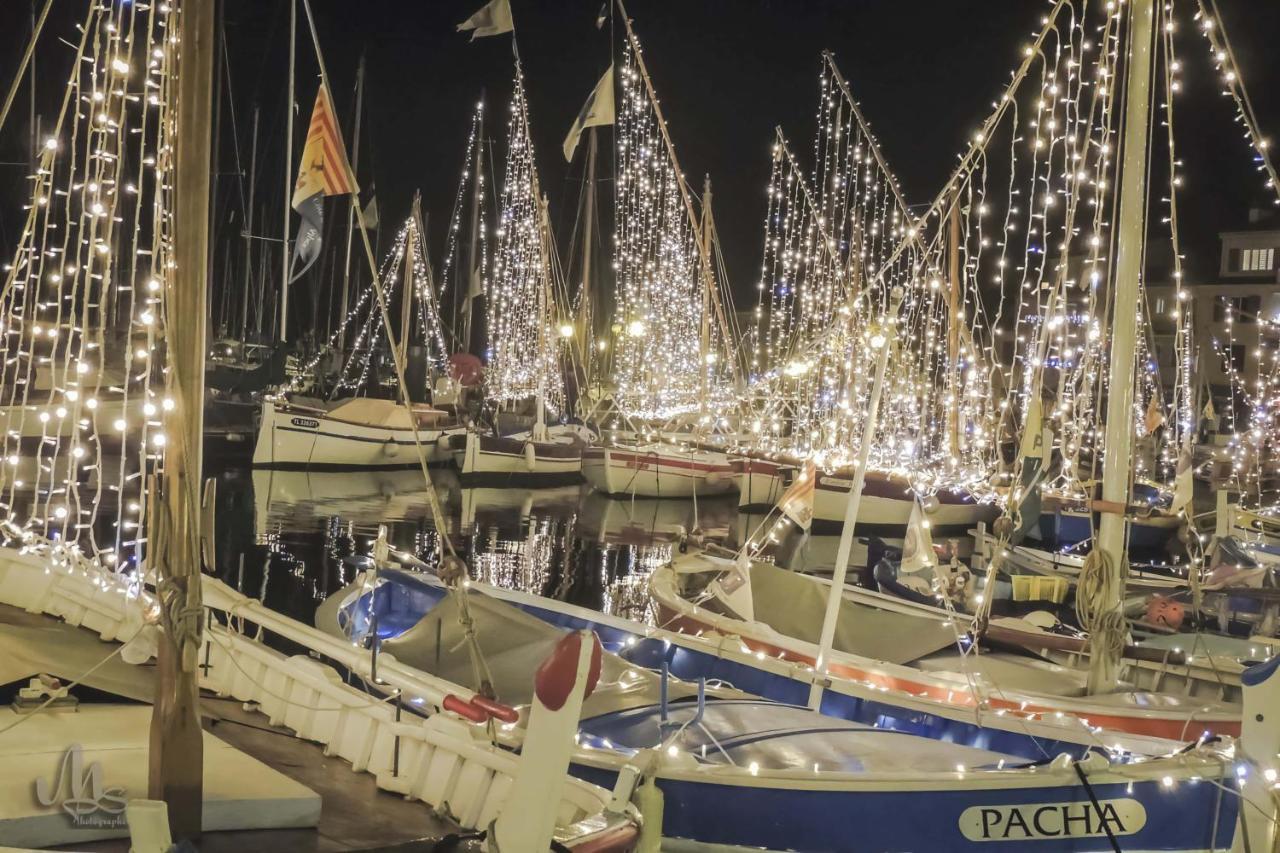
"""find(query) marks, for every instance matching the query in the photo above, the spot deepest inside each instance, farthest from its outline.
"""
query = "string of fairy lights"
(523, 356)
(472, 177)
(660, 368)
(82, 310)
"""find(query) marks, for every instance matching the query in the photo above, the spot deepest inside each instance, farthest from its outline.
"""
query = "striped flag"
(323, 171)
(797, 502)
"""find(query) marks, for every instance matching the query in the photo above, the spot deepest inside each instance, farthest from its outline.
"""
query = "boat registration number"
(1044, 821)
(306, 423)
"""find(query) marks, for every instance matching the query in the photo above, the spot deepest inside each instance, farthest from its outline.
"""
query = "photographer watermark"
(82, 792)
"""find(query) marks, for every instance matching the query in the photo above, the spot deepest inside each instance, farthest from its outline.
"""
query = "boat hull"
(296, 440)
(760, 483)
(494, 461)
(657, 472)
(1064, 528)
(792, 808)
(1151, 714)
(885, 508)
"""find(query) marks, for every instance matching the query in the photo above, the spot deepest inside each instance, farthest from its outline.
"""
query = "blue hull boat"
(736, 771)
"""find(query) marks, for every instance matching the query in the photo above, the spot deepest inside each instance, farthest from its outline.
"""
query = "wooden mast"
(288, 175)
(704, 333)
(473, 259)
(585, 314)
(1106, 639)
(953, 330)
(407, 293)
(351, 214)
(708, 278)
(248, 237)
(175, 757)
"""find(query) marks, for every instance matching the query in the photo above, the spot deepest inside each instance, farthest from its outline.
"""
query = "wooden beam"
(176, 765)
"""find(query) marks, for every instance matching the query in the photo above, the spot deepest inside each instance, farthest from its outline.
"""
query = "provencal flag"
(493, 20)
(797, 502)
(597, 111)
(323, 172)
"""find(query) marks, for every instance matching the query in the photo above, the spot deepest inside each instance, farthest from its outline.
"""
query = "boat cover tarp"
(793, 604)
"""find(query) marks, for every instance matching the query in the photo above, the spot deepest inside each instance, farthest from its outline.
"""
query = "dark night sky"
(727, 71)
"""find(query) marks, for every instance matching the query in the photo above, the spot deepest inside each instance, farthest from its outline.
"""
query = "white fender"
(530, 456)
(390, 448)
(564, 680)
(1259, 745)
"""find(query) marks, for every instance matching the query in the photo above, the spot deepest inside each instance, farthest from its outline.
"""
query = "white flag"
(493, 20)
(371, 212)
(1184, 483)
(917, 547)
(597, 111)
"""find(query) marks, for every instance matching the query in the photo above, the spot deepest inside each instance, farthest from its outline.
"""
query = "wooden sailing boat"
(297, 432)
(828, 258)
(672, 395)
(1112, 687)
(524, 358)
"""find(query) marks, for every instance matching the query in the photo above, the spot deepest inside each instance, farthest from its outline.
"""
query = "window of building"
(1243, 309)
(1256, 260)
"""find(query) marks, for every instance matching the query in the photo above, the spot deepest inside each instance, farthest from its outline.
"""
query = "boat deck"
(354, 813)
(779, 737)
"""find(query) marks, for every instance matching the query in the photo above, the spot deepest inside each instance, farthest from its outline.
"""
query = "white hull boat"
(657, 470)
(355, 434)
(496, 460)
(916, 649)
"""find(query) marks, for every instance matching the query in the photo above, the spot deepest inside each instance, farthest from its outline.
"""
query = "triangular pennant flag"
(917, 547)
(733, 589)
(797, 501)
(597, 111)
(323, 171)
(1155, 415)
(1183, 479)
(371, 212)
(602, 15)
(1209, 412)
(493, 20)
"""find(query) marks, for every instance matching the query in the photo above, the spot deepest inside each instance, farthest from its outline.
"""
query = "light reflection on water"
(288, 537)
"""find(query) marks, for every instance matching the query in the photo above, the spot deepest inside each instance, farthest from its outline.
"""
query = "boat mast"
(176, 760)
(248, 237)
(704, 337)
(835, 594)
(953, 330)
(407, 291)
(288, 176)
(585, 315)
(473, 271)
(351, 213)
(708, 279)
(544, 317)
(1108, 628)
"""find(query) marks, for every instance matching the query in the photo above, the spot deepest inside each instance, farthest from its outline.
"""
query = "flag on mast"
(493, 20)
(797, 502)
(1154, 418)
(323, 171)
(917, 547)
(597, 111)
